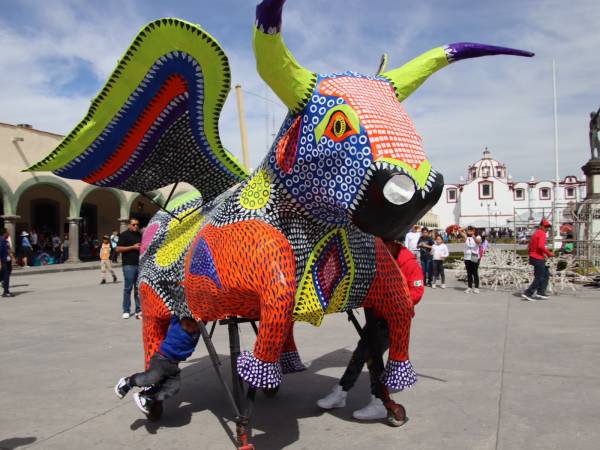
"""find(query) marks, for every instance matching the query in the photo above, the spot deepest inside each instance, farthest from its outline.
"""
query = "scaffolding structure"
(581, 218)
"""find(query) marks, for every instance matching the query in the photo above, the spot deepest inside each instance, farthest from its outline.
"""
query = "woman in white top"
(440, 252)
(471, 260)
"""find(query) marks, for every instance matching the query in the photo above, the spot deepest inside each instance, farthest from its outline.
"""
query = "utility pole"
(555, 219)
(242, 119)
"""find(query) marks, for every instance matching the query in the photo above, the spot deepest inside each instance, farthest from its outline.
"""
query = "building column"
(73, 238)
(9, 224)
(123, 224)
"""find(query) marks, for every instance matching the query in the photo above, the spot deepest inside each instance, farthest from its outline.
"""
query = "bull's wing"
(155, 122)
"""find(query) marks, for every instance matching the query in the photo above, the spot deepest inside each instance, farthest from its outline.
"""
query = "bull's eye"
(399, 189)
(339, 127)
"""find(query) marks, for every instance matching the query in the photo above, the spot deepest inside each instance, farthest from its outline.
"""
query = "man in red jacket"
(537, 258)
(413, 275)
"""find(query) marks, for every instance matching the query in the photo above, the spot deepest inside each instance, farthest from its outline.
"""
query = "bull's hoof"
(257, 373)
(398, 375)
(270, 393)
(291, 363)
(396, 415)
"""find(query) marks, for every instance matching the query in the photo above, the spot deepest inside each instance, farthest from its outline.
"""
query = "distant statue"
(595, 134)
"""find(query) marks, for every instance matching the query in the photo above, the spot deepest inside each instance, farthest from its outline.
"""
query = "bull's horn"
(407, 78)
(292, 83)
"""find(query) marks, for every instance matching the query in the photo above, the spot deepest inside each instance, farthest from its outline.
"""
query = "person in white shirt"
(471, 260)
(412, 240)
(440, 252)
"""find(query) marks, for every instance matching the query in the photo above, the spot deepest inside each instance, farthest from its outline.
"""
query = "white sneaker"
(142, 402)
(433, 286)
(125, 316)
(527, 297)
(468, 291)
(335, 399)
(443, 286)
(373, 411)
(476, 291)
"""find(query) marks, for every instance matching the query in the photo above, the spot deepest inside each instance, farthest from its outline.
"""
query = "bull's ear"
(292, 83)
(407, 78)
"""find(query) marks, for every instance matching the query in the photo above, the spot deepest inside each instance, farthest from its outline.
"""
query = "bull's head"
(348, 150)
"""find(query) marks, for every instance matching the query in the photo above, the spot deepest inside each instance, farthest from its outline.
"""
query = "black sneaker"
(103, 282)
(122, 387)
(8, 294)
(542, 296)
(114, 278)
(142, 402)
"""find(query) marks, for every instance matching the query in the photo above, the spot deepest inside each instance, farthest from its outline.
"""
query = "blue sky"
(55, 56)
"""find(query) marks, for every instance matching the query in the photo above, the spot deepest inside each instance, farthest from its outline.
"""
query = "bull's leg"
(390, 299)
(290, 359)
(277, 285)
(155, 318)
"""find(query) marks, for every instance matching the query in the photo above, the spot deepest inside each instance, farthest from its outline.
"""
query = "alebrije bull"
(296, 239)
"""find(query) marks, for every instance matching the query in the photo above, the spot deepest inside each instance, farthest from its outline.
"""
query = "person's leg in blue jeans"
(136, 296)
(129, 278)
(539, 270)
(544, 280)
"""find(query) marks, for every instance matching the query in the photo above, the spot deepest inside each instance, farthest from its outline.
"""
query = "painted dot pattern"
(399, 375)
(257, 192)
(291, 363)
(257, 373)
(390, 130)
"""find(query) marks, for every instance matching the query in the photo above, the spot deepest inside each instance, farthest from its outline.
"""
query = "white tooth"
(423, 194)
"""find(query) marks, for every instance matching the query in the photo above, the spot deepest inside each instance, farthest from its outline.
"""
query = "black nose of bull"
(391, 201)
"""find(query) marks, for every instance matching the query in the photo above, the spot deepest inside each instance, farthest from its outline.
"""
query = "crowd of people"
(430, 249)
(42, 248)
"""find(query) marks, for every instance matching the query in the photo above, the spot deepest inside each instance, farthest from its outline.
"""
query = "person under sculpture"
(375, 409)
(299, 237)
(162, 378)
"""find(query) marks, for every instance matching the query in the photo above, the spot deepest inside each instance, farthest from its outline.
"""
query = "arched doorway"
(100, 212)
(43, 207)
(143, 209)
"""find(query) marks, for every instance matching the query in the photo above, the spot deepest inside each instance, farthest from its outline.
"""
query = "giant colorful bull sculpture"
(296, 239)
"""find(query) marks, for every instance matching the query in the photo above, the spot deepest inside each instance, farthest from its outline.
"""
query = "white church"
(490, 198)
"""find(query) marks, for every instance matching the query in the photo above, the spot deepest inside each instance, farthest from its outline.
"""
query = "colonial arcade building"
(52, 205)
(490, 198)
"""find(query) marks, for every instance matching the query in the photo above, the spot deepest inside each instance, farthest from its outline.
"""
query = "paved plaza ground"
(494, 373)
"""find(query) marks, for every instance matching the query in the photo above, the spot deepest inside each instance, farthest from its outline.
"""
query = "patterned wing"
(155, 122)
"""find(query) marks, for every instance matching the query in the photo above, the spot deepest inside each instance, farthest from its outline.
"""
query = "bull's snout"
(390, 201)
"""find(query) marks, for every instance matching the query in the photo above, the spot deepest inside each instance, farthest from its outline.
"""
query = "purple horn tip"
(465, 50)
(268, 16)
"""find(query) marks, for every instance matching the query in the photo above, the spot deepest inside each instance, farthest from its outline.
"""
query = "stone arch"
(8, 206)
(54, 182)
(142, 208)
(100, 210)
(44, 203)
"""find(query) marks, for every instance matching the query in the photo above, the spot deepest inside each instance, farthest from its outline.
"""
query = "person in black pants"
(424, 245)
(471, 260)
(129, 246)
(5, 262)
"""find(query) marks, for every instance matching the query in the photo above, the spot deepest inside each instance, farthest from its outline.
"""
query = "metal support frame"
(164, 207)
(242, 407)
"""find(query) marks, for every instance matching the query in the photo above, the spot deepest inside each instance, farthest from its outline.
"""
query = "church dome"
(487, 167)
